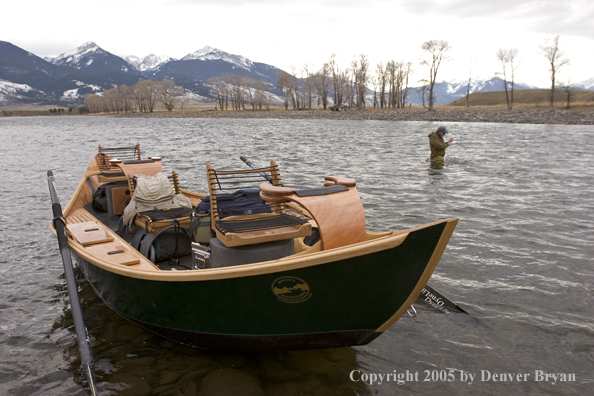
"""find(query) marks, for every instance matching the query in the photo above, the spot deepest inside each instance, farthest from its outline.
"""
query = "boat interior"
(127, 212)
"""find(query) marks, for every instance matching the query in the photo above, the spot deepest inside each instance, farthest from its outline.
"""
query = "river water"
(520, 260)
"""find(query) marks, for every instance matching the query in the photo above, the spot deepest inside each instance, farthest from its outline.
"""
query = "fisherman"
(438, 145)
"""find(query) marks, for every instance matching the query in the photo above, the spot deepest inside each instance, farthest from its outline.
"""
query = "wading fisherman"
(438, 145)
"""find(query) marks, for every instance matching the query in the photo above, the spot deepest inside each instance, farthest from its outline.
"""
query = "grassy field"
(527, 99)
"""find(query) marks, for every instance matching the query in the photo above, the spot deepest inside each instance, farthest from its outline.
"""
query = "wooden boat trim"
(437, 253)
(393, 240)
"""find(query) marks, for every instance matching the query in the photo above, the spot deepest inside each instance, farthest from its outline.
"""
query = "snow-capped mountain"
(149, 62)
(91, 58)
(447, 92)
(587, 85)
(209, 54)
(12, 93)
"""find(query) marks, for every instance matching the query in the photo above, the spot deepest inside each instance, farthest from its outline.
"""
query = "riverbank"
(520, 116)
(562, 117)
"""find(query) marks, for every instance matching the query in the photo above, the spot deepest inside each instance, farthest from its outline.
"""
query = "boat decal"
(290, 289)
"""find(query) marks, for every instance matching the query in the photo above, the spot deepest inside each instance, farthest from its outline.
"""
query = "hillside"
(526, 97)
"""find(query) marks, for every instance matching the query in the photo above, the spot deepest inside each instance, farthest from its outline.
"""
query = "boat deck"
(113, 249)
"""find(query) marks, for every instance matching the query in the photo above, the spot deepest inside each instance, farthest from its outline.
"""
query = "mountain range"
(26, 78)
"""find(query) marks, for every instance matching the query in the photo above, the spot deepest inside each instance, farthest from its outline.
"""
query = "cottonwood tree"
(508, 56)
(382, 79)
(557, 60)
(169, 92)
(127, 97)
(283, 83)
(360, 72)
(322, 82)
(435, 54)
(340, 84)
(569, 88)
(218, 87)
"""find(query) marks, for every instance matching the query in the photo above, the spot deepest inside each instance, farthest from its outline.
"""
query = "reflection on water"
(132, 361)
(520, 259)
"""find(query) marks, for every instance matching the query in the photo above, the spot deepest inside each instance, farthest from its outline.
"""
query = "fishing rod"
(255, 167)
(82, 337)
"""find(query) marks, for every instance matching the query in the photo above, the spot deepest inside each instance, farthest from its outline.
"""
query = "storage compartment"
(223, 256)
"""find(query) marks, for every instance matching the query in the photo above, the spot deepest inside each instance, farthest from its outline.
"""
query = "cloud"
(569, 17)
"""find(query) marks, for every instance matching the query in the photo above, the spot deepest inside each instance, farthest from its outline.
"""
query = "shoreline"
(562, 117)
(521, 116)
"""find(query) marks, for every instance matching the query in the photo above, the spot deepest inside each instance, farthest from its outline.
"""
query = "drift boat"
(262, 267)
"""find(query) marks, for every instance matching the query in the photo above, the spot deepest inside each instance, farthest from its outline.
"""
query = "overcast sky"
(292, 33)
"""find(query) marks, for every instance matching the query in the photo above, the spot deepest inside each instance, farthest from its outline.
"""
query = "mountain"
(91, 58)
(447, 92)
(13, 93)
(64, 79)
(193, 70)
(148, 63)
(587, 85)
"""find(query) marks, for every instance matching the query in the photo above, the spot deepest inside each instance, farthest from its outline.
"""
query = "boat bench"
(102, 243)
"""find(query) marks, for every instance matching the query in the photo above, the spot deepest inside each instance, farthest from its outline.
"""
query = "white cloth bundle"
(152, 193)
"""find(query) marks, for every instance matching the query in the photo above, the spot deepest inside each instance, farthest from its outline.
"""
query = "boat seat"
(247, 229)
(104, 154)
(336, 208)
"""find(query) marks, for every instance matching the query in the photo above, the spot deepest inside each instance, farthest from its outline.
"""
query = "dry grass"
(526, 99)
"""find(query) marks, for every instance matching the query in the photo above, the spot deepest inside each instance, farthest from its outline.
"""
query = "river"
(521, 260)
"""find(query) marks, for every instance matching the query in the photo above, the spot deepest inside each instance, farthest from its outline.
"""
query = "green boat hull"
(340, 303)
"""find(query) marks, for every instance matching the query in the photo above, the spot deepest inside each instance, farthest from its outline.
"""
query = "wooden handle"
(275, 191)
(344, 181)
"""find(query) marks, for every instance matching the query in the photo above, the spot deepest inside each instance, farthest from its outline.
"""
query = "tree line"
(302, 89)
(141, 97)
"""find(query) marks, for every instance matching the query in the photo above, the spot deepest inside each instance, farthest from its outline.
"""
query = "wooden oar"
(84, 346)
(433, 298)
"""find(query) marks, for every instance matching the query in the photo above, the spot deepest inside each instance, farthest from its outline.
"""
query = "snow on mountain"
(209, 53)
(91, 58)
(587, 85)
(76, 57)
(149, 62)
(11, 93)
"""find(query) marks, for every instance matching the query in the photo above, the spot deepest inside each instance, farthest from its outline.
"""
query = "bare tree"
(508, 57)
(339, 84)
(568, 88)
(514, 63)
(502, 56)
(127, 97)
(360, 70)
(436, 50)
(218, 87)
(169, 92)
(283, 83)
(423, 90)
(556, 59)
(382, 78)
(322, 83)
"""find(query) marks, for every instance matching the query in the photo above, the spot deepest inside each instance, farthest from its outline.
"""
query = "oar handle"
(84, 347)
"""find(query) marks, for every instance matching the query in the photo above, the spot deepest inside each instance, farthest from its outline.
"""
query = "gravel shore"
(565, 117)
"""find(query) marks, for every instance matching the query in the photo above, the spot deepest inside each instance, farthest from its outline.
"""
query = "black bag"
(246, 201)
(100, 199)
